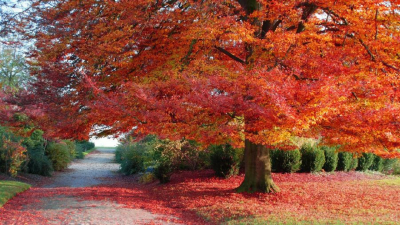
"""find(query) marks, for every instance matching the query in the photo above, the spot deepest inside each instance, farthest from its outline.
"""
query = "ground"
(102, 196)
(61, 199)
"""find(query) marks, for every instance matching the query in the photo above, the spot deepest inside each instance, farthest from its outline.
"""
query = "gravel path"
(88, 172)
(56, 205)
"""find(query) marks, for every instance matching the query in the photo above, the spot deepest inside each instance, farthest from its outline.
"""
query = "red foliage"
(346, 197)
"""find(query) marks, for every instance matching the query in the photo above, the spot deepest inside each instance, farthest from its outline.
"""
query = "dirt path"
(67, 198)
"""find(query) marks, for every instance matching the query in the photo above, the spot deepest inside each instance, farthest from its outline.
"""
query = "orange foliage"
(217, 71)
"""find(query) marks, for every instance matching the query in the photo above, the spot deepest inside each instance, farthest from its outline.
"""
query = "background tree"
(245, 72)
(14, 73)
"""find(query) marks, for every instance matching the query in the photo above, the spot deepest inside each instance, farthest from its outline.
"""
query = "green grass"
(395, 181)
(9, 189)
(88, 151)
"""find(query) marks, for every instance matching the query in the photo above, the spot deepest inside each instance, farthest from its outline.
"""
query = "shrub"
(396, 167)
(84, 145)
(312, 158)
(12, 156)
(389, 164)
(354, 163)
(59, 154)
(147, 178)
(191, 156)
(71, 148)
(79, 152)
(39, 163)
(285, 161)
(225, 160)
(331, 158)
(344, 161)
(163, 171)
(377, 164)
(132, 158)
(365, 161)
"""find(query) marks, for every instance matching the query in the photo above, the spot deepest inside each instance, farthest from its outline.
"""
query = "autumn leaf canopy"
(219, 71)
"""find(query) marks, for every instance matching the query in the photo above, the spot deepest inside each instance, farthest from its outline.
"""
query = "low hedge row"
(311, 158)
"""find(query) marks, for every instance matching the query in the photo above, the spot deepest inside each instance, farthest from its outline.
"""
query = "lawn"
(322, 198)
(197, 197)
(9, 189)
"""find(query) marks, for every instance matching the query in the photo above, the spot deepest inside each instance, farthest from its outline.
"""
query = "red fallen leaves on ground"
(346, 197)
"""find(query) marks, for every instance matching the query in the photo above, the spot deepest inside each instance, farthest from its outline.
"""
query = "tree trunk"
(257, 170)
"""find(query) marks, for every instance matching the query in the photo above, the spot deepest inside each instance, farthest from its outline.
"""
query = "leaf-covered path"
(70, 198)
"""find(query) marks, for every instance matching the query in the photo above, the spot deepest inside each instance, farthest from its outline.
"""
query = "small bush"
(377, 164)
(59, 154)
(331, 158)
(312, 158)
(365, 161)
(147, 178)
(396, 168)
(79, 152)
(354, 163)
(225, 160)
(132, 159)
(285, 161)
(39, 164)
(344, 161)
(389, 164)
(84, 145)
(164, 171)
(71, 148)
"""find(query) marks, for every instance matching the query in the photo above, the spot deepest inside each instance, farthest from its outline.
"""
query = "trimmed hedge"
(344, 161)
(331, 158)
(354, 163)
(285, 161)
(365, 161)
(377, 164)
(312, 158)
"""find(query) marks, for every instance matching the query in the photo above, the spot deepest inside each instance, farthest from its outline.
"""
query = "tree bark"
(257, 170)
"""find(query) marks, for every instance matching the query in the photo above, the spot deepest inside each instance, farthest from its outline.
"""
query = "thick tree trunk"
(257, 170)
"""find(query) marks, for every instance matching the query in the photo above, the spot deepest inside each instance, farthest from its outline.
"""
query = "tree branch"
(237, 59)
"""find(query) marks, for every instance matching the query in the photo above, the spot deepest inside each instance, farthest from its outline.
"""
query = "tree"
(14, 73)
(252, 73)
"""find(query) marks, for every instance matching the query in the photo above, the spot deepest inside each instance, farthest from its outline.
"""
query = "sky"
(104, 142)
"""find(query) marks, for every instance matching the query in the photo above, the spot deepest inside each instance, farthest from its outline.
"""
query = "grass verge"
(9, 189)
(88, 152)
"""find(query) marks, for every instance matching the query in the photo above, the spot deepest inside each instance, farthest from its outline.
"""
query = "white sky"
(104, 142)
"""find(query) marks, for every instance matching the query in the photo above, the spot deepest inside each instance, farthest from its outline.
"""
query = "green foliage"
(39, 164)
(82, 147)
(377, 164)
(365, 161)
(9, 189)
(354, 163)
(132, 159)
(147, 178)
(285, 161)
(396, 168)
(225, 160)
(135, 156)
(71, 148)
(331, 158)
(345, 161)
(59, 154)
(164, 171)
(312, 158)
(389, 164)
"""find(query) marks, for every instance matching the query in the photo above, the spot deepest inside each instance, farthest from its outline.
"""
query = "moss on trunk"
(257, 170)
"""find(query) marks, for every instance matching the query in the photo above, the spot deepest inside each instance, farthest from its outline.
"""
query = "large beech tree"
(250, 72)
